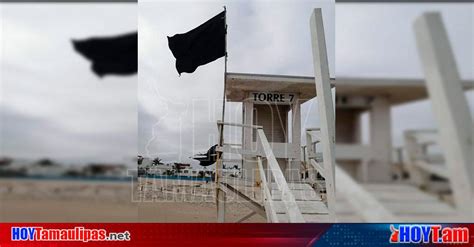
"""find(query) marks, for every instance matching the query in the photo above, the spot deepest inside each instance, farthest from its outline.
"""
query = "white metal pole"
(449, 107)
(325, 103)
(220, 194)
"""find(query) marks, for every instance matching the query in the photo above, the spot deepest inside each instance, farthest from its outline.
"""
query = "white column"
(248, 164)
(449, 107)
(363, 170)
(294, 166)
(413, 150)
(380, 140)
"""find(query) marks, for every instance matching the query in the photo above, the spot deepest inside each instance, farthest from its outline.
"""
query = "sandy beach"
(153, 200)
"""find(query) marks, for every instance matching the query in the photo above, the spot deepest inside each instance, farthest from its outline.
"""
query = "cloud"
(377, 40)
(37, 137)
(52, 105)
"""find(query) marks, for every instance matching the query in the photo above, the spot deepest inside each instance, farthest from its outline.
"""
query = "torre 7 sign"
(272, 97)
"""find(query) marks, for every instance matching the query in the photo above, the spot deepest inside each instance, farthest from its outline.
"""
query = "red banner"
(153, 234)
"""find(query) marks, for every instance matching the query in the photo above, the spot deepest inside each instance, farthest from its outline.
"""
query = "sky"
(377, 40)
(51, 104)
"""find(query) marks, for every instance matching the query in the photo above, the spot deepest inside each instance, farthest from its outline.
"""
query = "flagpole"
(225, 74)
(220, 195)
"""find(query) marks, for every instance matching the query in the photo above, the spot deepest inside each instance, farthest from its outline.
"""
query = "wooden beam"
(248, 202)
(221, 197)
(246, 217)
(219, 123)
(449, 107)
(242, 151)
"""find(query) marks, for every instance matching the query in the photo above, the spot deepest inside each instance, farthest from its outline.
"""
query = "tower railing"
(274, 172)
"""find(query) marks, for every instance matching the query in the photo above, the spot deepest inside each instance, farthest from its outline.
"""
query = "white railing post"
(294, 214)
(273, 170)
(413, 152)
(266, 195)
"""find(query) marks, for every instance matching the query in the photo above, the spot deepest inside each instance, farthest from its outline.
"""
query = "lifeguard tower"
(271, 147)
(273, 102)
(372, 162)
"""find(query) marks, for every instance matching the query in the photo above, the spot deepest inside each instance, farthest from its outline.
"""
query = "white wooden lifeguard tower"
(271, 159)
(267, 101)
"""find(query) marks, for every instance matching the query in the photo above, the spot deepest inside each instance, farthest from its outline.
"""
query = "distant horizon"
(72, 162)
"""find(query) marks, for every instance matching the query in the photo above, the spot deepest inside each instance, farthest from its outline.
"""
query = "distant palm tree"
(5, 161)
(45, 162)
(157, 161)
(140, 159)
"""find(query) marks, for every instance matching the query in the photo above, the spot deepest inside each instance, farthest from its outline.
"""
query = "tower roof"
(399, 91)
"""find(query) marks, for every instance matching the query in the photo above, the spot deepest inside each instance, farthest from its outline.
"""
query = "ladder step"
(420, 208)
(317, 218)
(318, 157)
(396, 196)
(403, 188)
(300, 195)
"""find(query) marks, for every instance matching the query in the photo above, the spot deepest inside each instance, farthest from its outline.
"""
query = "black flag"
(111, 55)
(199, 46)
(208, 158)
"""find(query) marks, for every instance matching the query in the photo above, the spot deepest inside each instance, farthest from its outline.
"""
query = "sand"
(24, 200)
